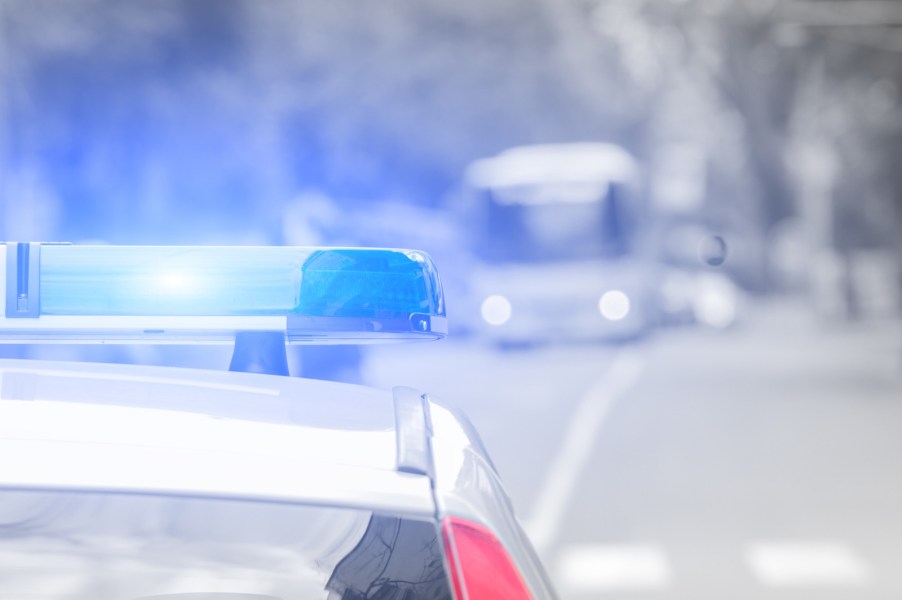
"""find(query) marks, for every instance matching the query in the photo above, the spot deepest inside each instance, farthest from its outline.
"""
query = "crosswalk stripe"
(608, 567)
(777, 564)
(805, 564)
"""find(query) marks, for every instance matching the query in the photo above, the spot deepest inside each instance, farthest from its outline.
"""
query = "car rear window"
(61, 545)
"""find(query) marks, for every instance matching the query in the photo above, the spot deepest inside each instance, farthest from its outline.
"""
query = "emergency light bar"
(173, 294)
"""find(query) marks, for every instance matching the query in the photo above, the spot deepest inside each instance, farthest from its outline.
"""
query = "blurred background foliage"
(200, 121)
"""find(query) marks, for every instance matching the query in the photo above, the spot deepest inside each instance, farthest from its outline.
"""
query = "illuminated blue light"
(237, 281)
(210, 294)
(374, 283)
(125, 280)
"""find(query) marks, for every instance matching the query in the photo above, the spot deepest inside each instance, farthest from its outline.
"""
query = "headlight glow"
(496, 310)
(614, 305)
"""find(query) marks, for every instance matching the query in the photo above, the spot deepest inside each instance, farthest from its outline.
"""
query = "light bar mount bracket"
(23, 281)
(260, 352)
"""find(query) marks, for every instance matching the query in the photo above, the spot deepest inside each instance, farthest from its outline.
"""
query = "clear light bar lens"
(236, 281)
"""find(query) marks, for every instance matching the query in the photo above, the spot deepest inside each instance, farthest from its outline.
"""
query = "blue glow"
(238, 281)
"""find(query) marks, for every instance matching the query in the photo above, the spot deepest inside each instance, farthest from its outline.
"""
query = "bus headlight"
(496, 310)
(614, 305)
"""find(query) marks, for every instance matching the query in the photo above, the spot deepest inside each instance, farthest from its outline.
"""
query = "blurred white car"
(699, 297)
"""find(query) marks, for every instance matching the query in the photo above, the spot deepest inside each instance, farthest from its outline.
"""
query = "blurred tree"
(197, 120)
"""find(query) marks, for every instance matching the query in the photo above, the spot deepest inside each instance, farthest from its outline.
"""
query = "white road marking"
(578, 441)
(599, 568)
(803, 564)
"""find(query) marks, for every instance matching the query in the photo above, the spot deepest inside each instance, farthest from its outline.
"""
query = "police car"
(123, 481)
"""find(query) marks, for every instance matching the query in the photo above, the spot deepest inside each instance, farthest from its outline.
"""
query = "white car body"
(166, 432)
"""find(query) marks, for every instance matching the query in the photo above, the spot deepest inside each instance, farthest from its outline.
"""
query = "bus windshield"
(552, 202)
(551, 223)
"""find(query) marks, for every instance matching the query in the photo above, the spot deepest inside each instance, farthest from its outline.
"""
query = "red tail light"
(480, 566)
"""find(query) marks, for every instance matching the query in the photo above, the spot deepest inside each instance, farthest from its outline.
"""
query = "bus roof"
(589, 162)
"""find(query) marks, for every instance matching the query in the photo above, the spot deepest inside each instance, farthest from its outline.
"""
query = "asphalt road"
(760, 462)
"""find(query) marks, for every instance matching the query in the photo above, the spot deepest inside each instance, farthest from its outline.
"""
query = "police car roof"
(164, 430)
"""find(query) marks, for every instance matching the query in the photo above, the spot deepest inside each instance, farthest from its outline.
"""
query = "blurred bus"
(556, 233)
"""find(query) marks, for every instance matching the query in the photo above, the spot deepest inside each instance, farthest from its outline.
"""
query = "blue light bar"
(61, 292)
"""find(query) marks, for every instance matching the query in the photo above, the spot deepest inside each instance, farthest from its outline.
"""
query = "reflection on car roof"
(201, 433)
